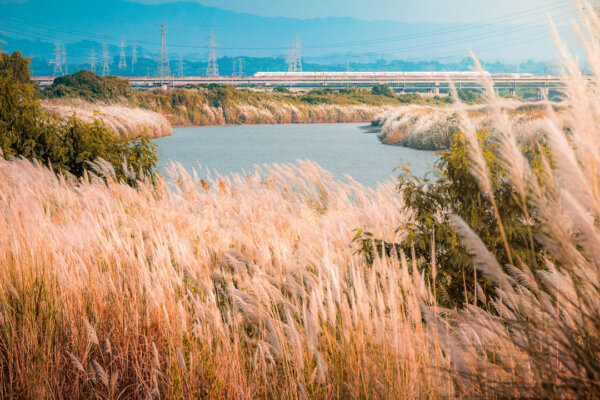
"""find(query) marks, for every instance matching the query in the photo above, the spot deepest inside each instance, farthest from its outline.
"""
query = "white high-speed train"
(383, 74)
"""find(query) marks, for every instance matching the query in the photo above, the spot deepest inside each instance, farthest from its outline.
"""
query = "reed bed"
(249, 286)
(123, 120)
(237, 287)
(432, 128)
(195, 109)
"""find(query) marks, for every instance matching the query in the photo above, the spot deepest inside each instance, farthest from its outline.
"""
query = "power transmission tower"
(58, 63)
(105, 61)
(2, 41)
(181, 65)
(295, 60)
(164, 68)
(122, 60)
(133, 56)
(64, 59)
(93, 61)
(212, 69)
(240, 67)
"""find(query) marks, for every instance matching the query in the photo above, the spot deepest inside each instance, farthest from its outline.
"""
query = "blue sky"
(437, 11)
(494, 29)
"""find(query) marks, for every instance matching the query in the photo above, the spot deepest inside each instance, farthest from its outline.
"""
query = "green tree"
(382, 89)
(90, 86)
(454, 190)
(27, 131)
(15, 66)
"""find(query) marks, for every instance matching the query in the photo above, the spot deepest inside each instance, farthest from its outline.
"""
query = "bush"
(382, 90)
(454, 190)
(89, 86)
(27, 131)
(469, 96)
(15, 66)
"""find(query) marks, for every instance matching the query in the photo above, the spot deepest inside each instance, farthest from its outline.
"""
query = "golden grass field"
(251, 287)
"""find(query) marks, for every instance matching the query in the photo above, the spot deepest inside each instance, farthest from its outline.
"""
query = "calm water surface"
(339, 148)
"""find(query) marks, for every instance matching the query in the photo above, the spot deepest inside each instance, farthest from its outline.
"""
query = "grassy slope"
(218, 105)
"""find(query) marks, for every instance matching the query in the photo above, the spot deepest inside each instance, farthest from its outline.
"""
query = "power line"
(212, 68)
(294, 60)
(105, 61)
(510, 18)
(164, 68)
(241, 67)
(122, 60)
(181, 65)
(133, 56)
(93, 61)
(58, 63)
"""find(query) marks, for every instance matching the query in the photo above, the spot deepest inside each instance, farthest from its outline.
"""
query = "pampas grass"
(237, 287)
(248, 286)
(123, 120)
(432, 128)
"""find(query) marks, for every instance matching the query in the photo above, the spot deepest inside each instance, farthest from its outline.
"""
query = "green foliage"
(470, 96)
(382, 89)
(280, 89)
(15, 66)
(26, 131)
(415, 98)
(89, 86)
(454, 190)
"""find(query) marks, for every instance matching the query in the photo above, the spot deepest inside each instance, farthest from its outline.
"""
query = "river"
(339, 148)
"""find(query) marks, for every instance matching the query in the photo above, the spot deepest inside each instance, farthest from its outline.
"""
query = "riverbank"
(123, 120)
(204, 105)
(432, 128)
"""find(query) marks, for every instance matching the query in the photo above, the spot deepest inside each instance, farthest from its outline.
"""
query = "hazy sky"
(438, 11)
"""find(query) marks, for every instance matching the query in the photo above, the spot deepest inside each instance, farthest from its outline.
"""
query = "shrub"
(89, 86)
(27, 131)
(453, 190)
(382, 90)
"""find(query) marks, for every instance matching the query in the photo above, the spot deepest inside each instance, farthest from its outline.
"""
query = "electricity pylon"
(164, 69)
(212, 69)
(295, 60)
(93, 61)
(122, 60)
(58, 63)
(105, 61)
(181, 65)
(64, 59)
(240, 67)
(133, 56)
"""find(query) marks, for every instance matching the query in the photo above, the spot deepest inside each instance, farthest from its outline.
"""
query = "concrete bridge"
(433, 83)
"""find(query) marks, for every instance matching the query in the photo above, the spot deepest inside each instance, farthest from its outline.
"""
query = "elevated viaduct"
(434, 83)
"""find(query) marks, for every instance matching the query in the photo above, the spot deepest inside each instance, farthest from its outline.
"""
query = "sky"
(413, 29)
(435, 11)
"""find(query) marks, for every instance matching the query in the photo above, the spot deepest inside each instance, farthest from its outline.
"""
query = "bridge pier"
(512, 91)
(543, 93)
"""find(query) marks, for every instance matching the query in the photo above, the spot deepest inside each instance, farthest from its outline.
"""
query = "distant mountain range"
(34, 26)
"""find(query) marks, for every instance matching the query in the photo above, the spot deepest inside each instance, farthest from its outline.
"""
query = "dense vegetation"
(216, 104)
(89, 86)
(451, 189)
(27, 131)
